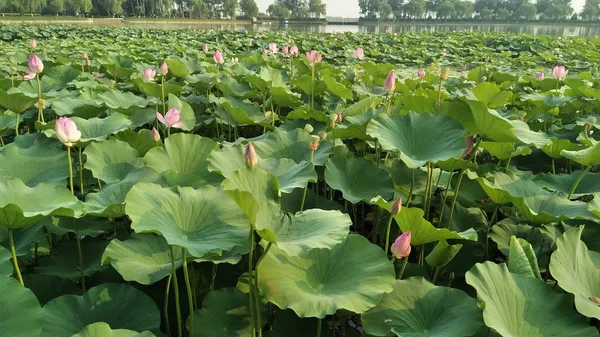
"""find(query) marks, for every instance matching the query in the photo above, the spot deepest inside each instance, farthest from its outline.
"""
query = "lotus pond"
(438, 185)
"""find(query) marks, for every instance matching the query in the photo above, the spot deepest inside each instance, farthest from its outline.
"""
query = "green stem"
(445, 199)
(312, 88)
(80, 174)
(257, 297)
(319, 324)
(508, 162)
(40, 110)
(429, 190)
(70, 170)
(440, 95)
(553, 167)
(312, 154)
(412, 186)
(166, 307)
(188, 286)
(168, 132)
(404, 264)
(214, 276)
(17, 125)
(387, 233)
(435, 274)
(587, 169)
(460, 177)
(80, 257)
(176, 289)
(162, 88)
(490, 224)
(14, 256)
(251, 283)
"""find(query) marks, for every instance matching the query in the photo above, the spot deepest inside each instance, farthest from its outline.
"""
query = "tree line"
(488, 10)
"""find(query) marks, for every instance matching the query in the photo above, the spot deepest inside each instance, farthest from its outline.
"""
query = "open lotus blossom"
(294, 51)
(171, 118)
(313, 57)
(155, 134)
(421, 73)
(469, 148)
(396, 206)
(401, 247)
(540, 75)
(273, 48)
(205, 48)
(148, 74)
(35, 64)
(218, 57)
(560, 73)
(390, 82)
(32, 43)
(250, 155)
(66, 131)
(28, 75)
(164, 68)
(358, 54)
(286, 51)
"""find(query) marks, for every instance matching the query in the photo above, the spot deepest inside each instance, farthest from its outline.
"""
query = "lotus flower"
(32, 43)
(35, 64)
(155, 135)
(171, 118)
(469, 148)
(314, 144)
(560, 73)
(313, 57)
(263, 50)
(396, 206)
(339, 118)
(250, 155)
(205, 48)
(358, 54)
(28, 75)
(286, 51)
(401, 247)
(421, 73)
(444, 73)
(218, 57)
(273, 48)
(66, 131)
(164, 68)
(148, 74)
(540, 75)
(84, 56)
(294, 51)
(390, 82)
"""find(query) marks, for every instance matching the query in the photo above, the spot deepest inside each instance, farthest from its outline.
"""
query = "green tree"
(295, 7)
(230, 8)
(249, 8)
(369, 8)
(445, 10)
(463, 9)
(385, 11)
(397, 8)
(316, 8)
(554, 10)
(55, 6)
(278, 11)
(415, 8)
(591, 10)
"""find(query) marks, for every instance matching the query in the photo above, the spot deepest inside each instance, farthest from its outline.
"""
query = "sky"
(349, 8)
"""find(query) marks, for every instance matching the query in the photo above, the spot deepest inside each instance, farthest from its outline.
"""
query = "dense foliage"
(242, 189)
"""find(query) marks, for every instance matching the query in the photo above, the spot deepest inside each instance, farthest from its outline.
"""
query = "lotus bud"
(401, 247)
(35, 64)
(84, 56)
(469, 148)
(32, 44)
(540, 75)
(595, 299)
(313, 57)
(171, 118)
(218, 57)
(155, 135)
(41, 104)
(250, 155)
(294, 51)
(164, 68)
(205, 48)
(340, 118)
(421, 73)
(314, 144)
(66, 131)
(444, 73)
(390, 82)
(309, 128)
(273, 48)
(148, 74)
(358, 54)
(29, 75)
(559, 73)
(323, 135)
(286, 51)
(396, 206)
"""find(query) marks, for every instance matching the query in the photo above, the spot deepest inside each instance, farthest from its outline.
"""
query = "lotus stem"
(162, 88)
(169, 132)
(80, 173)
(312, 156)
(166, 307)
(176, 289)
(251, 283)
(436, 271)
(214, 276)
(387, 233)
(445, 198)
(319, 325)
(70, 170)
(429, 190)
(14, 256)
(80, 257)
(587, 169)
(460, 177)
(508, 162)
(16, 127)
(404, 264)
(490, 224)
(257, 294)
(188, 286)
(40, 110)
(440, 95)
(412, 186)
(553, 167)
(312, 88)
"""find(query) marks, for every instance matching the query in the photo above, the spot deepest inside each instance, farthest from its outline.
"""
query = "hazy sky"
(349, 8)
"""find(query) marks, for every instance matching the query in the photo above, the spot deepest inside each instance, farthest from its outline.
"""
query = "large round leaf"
(39, 163)
(586, 157)
(572, 266)
(419, 308)
(564, 182)
(102, 329)
(120, 305)
(353, 275)
(6, 267)
(95, 129)
(111, 160)
(63, 262)
(422, 231)
(517, 305)
(144, 258)
(420, 138)
(292, 145)
(203, 221)
(20, 311)
(358, 179)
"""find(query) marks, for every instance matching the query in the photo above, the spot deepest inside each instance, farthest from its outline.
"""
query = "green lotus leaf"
(422, 231)
(574, 270)
(411, 135)
(59, 77)
(418, 308)
(293, 145)
(238, 112)
(25, 238)
(143, 258)
(121, 306)
(20, 310)
(337, 88)
(224, 312)
(187, 113)
(442, 254)
(84, 108)
(517, 305)
(358, 179)
(155, 89)
(586, 157)
(39, 163)
(563, 183)
(306, 113)
(284, 97)
(15, 100)
(95, 129)
(490, 94)
(185, 155)
(291, 202)
(86, 226)
(522, 259)
(232, 257)
(6, 267)
(454, 164)
(505, 150)
(202, 220)
(63, 262)
(122, 101)
(21, 206)
(142, 141)
(101, 329)
(228, 160)
(111, 160)
(554, 149)
(503, 230)
(353, 276)
(47, 288)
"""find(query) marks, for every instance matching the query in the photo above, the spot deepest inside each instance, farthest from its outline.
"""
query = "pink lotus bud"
(32, 43)
(540, 75)
(273, 48)
(401, 247)
(29, 75)
(84, 56)
(358, 54)
(469, 148)
(294, 51)
(171, 118)
(155, 135)
(396, 206)
(263, 50)
(313, 57)
(421, 73)
(205, 48)
(390, 82)
(218, 57)
(35, 64)
(164, 68)
(560, 73)
(388, 30)
(66, 131)
(339, 118)
(250, 155)
(286, 51)
(148, 74)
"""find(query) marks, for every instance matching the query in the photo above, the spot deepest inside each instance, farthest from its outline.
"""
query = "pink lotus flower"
(171, 118)
(155, 135)
(66, 131)
(313, 57)
(286, 51)
(339, 118)
(390, 82)
(250, 155)
(32, 43)
(396, 206)
(205, 48)
(35, 64)
(540, 75)
(28, 75)
(164, 68)
(148, 74)
(294, 51)
(358, 54)
(469, 148)
(218, 57)
(401, 247)
(560, 73)
(264, 51)
(421, 73)
(273, 48)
